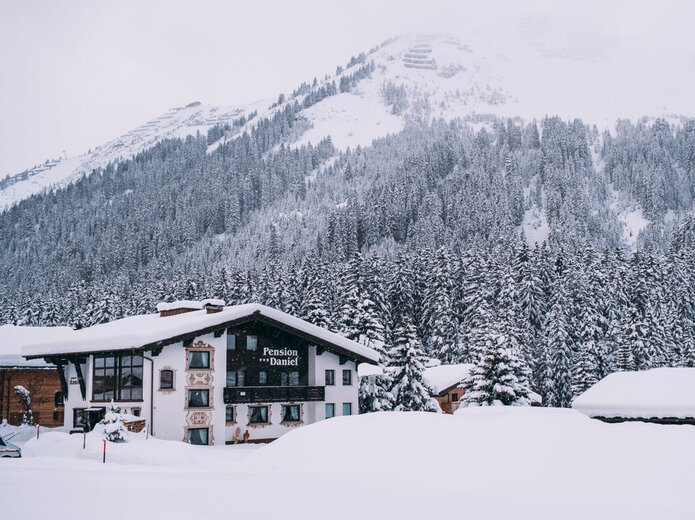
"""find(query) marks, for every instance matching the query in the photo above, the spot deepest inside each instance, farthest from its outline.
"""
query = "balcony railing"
(272, 394)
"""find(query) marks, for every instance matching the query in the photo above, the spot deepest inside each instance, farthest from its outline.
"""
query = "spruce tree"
(410, 392)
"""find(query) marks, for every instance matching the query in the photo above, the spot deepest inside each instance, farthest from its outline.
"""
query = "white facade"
(172, 415)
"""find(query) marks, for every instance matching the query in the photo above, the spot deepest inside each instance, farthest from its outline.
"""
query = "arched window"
(166, 379)
(58, 398)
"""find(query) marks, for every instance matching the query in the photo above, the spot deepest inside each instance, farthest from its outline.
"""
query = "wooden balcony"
(272, 394)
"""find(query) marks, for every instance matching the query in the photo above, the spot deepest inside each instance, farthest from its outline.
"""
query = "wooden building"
(41, 379)
(447, 384)
(207, 374)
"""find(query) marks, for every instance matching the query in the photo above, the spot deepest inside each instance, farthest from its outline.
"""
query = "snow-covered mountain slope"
(413, 77)
(177, 122)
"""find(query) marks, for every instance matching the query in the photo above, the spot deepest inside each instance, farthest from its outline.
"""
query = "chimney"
(182, 306)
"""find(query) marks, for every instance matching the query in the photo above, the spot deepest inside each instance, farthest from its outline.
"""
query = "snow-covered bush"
(25, 396)
(113, 426)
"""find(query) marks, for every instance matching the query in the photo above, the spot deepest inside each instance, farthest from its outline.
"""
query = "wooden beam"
(80, 378)
(63, 382)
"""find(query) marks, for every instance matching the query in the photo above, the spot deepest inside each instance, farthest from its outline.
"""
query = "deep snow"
(486, 463)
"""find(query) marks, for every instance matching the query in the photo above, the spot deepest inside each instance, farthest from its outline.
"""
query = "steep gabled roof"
(150, 331)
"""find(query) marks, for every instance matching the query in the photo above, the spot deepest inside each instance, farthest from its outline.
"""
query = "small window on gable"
(231, 340)
(347, 377)
(454, 397)
(166, 379)
(251, 342)
(58, 398)
(330, 377)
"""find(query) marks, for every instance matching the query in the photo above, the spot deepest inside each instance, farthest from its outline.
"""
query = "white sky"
(76, 74)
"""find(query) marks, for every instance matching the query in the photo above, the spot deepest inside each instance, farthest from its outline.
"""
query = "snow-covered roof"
(657, 393)
(12, 338)
(443, 377)
(189, 304)
(147, 329)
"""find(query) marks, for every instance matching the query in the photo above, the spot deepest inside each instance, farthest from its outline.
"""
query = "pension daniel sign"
(286, 357)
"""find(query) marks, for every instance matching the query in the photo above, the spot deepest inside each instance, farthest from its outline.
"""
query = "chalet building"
(207, 374)
(446, 382)
(660, 395)
(41, 379)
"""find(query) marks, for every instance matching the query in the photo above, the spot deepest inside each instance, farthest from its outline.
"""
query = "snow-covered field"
(480, 463)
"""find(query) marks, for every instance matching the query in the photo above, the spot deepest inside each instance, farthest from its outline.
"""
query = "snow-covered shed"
(205, 373)
(660, 395)
(39, 378)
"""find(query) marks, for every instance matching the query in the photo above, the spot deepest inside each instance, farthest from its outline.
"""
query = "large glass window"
(235, 378)
(290, 413)
(347, 377)
(251, 342)
(258, 414)
(289, 378)
(330, 377)
(347, 408)
(198, 359)
(198, 398)
(330, 410)
(198, 436)
(231, 340)
(117, 377)
(166, 379)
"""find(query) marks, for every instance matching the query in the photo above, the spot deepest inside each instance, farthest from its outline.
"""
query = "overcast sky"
(76, 74)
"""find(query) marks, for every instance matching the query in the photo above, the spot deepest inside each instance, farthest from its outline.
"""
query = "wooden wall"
(449, 402)
(42, 384)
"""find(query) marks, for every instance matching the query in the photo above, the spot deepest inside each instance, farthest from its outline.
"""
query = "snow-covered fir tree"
(409, 391)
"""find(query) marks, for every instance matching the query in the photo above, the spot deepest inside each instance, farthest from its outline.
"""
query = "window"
(198, 436)
(235, 378)
(117, 377)
(258, 414)
(199, 359)
(262, 377)
(347, 408)
(198, 398)
(58, 398)
(330, 410)
(454, 397)
(231, 340)
(130, 378)
(79, 418)
(347, 377)
(290, 413)
(330, 377)
(289, 378)
(251, 342)
(166, 379)
(229, 414)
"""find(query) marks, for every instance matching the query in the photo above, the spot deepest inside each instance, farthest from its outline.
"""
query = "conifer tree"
(410, 392)
(499, 376)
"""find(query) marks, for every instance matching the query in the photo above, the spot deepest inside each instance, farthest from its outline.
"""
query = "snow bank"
(189, 304)
(659, 393)
(493, 463)
(20, 434)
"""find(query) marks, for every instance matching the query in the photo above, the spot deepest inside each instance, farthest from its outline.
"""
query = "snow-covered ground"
(480, 463)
